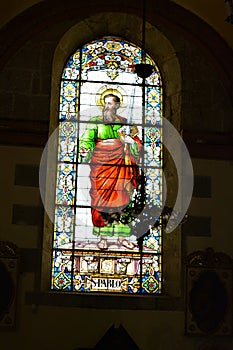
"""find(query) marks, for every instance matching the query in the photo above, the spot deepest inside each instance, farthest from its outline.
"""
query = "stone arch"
(157, 45)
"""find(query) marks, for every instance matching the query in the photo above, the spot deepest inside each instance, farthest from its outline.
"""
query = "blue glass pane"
(65, 184)
(68, 98)
(72, 68)
(62, 270)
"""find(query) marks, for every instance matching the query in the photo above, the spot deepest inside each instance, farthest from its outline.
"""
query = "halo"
(105, 90)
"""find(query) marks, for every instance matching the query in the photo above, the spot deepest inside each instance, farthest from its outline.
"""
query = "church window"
(109, 173)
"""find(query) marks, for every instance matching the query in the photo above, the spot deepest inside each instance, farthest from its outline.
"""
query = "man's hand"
(84, 152)
(133, 131)
(129, 140)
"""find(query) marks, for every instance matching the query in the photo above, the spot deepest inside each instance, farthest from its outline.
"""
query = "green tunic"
(97, 130)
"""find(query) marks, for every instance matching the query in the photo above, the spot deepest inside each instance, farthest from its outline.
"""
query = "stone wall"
(196, 98)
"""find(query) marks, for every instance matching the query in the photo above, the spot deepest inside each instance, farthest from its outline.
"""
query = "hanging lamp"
(143, 69)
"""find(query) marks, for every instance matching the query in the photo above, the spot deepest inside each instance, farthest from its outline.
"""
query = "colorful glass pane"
(64, 227)
(62, 270)
(72, 68)
(84, 218)
(67, 141)
(65, 184)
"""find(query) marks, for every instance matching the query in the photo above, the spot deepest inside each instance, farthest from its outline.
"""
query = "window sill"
(101, 301)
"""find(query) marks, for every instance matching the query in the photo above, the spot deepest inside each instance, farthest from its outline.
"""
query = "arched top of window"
(110, 54)
(109, 173)
(112, 61)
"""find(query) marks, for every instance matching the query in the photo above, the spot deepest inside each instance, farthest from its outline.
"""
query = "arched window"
(109, 170)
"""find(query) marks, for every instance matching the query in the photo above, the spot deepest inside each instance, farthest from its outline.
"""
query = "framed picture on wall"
(208, 293)
(9, 272)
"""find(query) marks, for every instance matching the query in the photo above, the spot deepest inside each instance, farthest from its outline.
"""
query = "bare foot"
(125, 243)
(102, 244)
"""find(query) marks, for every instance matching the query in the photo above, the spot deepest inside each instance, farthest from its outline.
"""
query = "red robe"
(113, 176)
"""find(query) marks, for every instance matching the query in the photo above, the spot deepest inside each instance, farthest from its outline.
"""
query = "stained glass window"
(109, 173)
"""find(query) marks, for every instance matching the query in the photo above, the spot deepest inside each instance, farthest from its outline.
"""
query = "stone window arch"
(158, 47)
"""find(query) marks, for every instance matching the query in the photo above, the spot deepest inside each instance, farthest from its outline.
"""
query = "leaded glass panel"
(103, 182)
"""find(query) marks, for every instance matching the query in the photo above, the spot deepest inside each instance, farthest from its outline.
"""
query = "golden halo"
(105, 90)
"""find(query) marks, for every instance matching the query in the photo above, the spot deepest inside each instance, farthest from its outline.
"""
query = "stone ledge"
(100, 301)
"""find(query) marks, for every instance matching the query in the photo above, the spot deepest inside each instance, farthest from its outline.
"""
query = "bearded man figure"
(114, 174)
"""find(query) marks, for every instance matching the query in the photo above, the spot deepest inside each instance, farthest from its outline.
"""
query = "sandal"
(102, 245)
(126, 244)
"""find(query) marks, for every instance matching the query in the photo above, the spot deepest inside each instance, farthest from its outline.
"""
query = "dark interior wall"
(26, 76)
(205, 100)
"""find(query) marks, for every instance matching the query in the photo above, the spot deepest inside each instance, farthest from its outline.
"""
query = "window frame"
(171, 74)
(97, 68)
